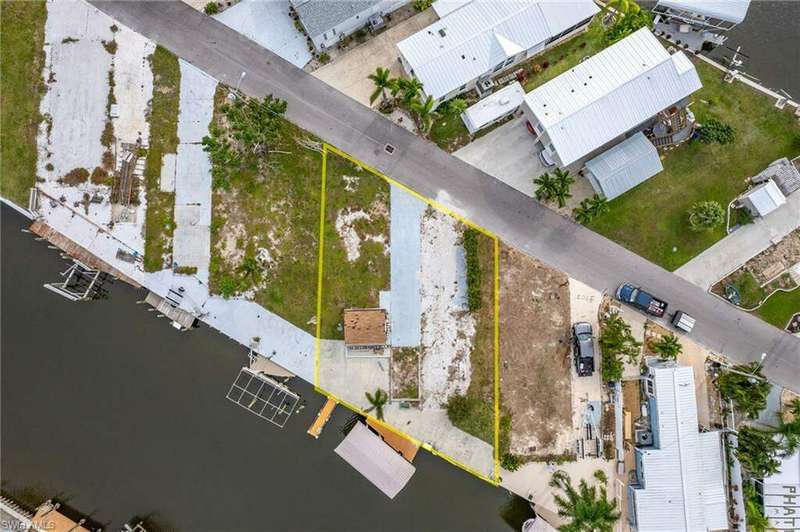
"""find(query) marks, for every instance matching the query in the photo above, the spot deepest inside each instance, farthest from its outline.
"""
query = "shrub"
(76, 176)
(99, 176)
(324, 58)
(715, 131)
(107, 137)
(422, 5)
(511, 462)
(186, 270)
(228, 286)
(211, 8)
(473, 269)
(706, 215)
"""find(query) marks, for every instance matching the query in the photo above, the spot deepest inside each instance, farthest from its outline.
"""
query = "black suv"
(583, 348)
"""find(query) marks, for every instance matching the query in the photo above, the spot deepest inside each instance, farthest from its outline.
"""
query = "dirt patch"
(535, 354)
(771, 262)
(405, 373)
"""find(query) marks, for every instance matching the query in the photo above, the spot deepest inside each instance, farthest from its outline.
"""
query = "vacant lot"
(265, 227)
(534, 354)
(652, 219)
(159, 218)
(355, 241)
(21, 40)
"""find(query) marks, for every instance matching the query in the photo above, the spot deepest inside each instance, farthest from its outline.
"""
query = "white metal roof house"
(602, 100)
(326, 22)
(763, 199)
(493, 108)
(679, 477)
(483, 38)
(629, 163)
(695, 22)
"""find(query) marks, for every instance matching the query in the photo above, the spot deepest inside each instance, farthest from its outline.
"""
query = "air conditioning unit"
(486, 85)
(644, 438)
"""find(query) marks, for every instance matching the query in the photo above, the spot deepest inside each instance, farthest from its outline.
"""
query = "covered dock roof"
(629, 163)
(373, 458)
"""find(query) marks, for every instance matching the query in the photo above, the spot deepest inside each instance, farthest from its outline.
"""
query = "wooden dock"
(322, 418)
(71, 248)
(399, 443)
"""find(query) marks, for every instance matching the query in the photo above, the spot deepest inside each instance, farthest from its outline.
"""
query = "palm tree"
(377, 401)
(564, 181)
(621, 8)
(668, 347)
(410, 89)
(426, 113)
(587, 508)
(382, 82)
(546, 187)
(591, 208)
(706, 215)
(790, 430)
(456, 106)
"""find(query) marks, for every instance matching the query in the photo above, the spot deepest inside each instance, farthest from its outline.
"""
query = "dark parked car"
(583, 348)
(635, 296)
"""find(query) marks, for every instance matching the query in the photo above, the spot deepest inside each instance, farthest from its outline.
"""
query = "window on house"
(498, 67)
(538, 127)
(650, 387)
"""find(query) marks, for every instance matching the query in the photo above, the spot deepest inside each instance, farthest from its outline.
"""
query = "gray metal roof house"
(629, 163)
(326, 22)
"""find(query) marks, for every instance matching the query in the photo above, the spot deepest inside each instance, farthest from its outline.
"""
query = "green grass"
(450, 133)
(780, 307)
(21, 89)
(564, 56)
(652, 219)
(159, 217)
(746, 284)
(353, 284)
(277, 211)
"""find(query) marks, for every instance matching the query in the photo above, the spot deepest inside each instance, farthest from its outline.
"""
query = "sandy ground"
(74, 106)
(447, 328)
(535, 355)
(348, 73)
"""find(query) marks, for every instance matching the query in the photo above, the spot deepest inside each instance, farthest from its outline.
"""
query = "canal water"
(116, 413)
(770, 37)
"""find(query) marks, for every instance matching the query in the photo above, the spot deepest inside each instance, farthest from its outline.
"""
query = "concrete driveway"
(733, 251)
(348, 73)
(509, 153)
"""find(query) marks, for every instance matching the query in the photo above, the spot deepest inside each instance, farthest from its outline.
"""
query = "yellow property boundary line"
(496, 311)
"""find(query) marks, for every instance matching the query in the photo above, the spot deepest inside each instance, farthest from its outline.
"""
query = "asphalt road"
(421, 165)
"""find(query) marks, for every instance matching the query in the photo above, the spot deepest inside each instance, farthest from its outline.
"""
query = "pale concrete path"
(348, 72)
(736, 249)
(421, 165)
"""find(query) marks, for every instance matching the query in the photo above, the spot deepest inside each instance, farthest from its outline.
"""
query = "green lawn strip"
(556, 61)
(21, 88)
(780, 307)
(353, 284)
(652, 219)
(279, 212)
(474, 412)
(450, 133)
(159, 217)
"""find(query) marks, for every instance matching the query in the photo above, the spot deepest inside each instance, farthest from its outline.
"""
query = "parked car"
(638, 298)
(546, 159)
(583, 348)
